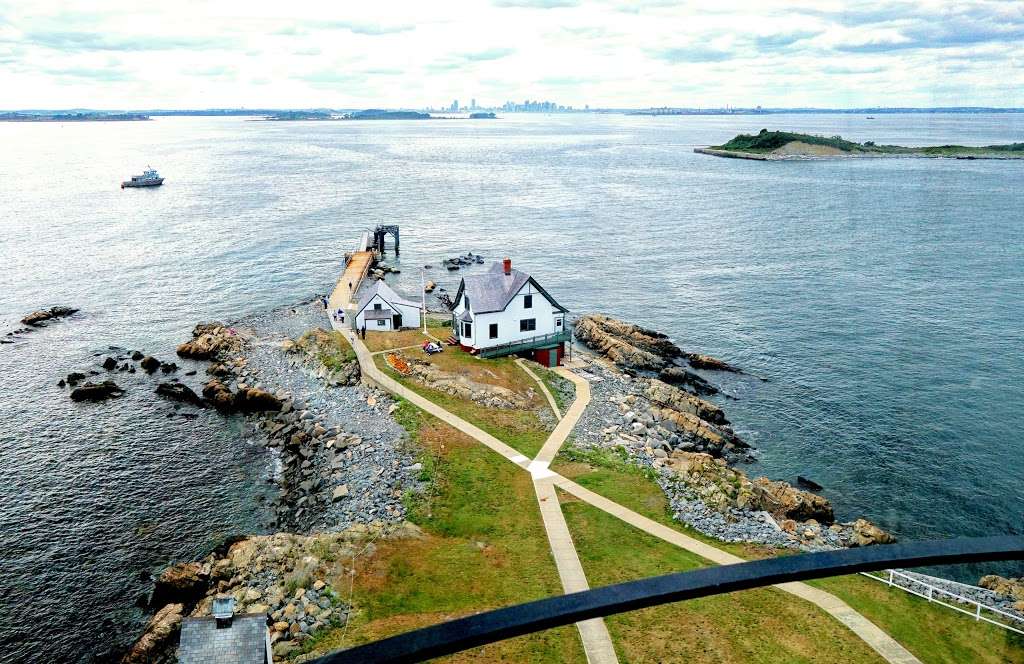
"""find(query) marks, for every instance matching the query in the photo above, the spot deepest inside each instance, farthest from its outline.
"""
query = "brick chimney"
(507, 263)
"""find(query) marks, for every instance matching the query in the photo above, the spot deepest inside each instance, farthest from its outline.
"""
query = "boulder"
(783, 501)
(680, 376)
(180, 392)
(219, 396)
(168, 367)
(110, 364)
(38, 318)
(209, 340)
(75, 377)
(253, 400)
(698, 361)
(137, 355)
(96, 391)
(184, 582)
(340, 492)
(1011, 588)
(149, 364)
(158, 636)
(866, 533)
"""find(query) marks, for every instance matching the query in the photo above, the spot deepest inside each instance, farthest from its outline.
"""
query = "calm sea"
(882, 299)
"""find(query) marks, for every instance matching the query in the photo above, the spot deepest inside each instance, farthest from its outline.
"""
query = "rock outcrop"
(783, 501)
(149, 364)
(219, 396)
(96, 391)
(461, 387)
(254, 400)
(328, 354)
(688, 379)
(1010, 588)
(285, 576)
(39, 318)
(209, 340)
(156, 644)
(625, 344)
(666, 395)
(180, 392)
(633, 347)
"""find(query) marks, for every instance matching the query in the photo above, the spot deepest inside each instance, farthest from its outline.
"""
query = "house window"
(467, 329)
(376, 306)
(493, 331)
(558, 322)
(528, 302)
(381, 322)
(466, 298)
(528, 325)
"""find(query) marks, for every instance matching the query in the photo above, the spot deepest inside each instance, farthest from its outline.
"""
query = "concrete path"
(597, 642)
(341, 297)
(878, 640)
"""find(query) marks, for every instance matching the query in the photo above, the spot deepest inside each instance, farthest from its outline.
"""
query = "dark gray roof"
(378, 314)
(387, 293)
(466, 316)
(493, 290)
(245, 642)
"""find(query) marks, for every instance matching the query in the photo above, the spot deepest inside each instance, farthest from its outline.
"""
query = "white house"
(505, 311)
(381, 309)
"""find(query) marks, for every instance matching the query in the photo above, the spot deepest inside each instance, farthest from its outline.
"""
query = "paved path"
(597, 642)
(878, 640)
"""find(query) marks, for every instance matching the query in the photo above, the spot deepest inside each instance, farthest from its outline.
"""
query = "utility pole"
(423, 294)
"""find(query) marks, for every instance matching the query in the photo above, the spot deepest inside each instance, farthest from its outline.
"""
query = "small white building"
(504, 312)
(381, 309)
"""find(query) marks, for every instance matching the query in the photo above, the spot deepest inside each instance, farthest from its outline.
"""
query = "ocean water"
(882, 299)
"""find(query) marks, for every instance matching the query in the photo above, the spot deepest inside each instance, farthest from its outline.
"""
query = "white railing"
(916, 586)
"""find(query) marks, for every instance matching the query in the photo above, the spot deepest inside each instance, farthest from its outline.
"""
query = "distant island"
(368, 114)
(90, 116)
(773, 145)
(482, 116)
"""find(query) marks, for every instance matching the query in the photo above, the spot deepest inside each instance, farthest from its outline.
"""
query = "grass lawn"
(933, 633)
(377, 341)
(552, 380)
(485, 548)
(521, 429)
(763, 625)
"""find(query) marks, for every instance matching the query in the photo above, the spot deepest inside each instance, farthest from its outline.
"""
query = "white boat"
(149, 178)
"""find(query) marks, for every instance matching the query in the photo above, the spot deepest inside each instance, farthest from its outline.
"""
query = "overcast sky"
(221, 53)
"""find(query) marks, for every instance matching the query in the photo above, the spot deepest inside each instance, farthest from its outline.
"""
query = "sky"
(606, 53)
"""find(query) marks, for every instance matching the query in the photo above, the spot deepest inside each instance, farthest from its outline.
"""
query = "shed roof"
(387, 294)
(244, 642)
(493, 290)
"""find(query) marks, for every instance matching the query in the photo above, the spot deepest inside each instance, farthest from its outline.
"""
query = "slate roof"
(387, 293)
(493, 290)
(245, 642)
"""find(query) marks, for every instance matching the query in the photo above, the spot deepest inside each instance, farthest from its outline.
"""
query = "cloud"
(312, 50)
(359, 28)
(216, 71)
(536, 4)
(78, 42)
(92, 74)
(783, 39)
(459, 60)
(692, 54)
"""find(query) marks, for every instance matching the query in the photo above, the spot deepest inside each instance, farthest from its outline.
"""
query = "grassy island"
(770, 145)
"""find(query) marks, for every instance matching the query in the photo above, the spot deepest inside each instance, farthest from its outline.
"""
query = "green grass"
(553, 381)
(335, 352)
(520, 429)
(485, 547)
(933, 633)
(763, 625)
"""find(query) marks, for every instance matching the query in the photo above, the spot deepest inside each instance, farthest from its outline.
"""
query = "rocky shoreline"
(341, 463)
(687, 442)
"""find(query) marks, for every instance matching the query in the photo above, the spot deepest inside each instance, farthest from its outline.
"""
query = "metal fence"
(935, 594)
(490, 626)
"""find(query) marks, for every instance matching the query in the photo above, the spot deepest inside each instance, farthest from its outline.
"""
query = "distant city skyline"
(608, 54)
